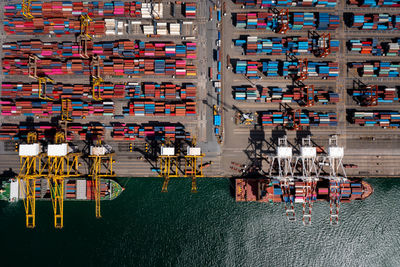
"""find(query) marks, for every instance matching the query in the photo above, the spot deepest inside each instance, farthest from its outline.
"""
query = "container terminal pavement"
(96, 90)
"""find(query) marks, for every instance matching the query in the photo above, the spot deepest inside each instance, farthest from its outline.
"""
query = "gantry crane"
(310, 94)
(96, 78)
(302, 73)
(335, 162)
(42, 81)
(26, 9)
(62, 162)
(101, 159)
(372, 98)
(168, 161)
(324, 43)
(281, 168)
(194, 157)
(84, 36)
(321, 43)
(308, 161)
(282, 20)
(31, 169)
(294, 119)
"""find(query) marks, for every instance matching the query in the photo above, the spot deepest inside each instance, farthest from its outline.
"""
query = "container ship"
(78, 189)
(269, 190)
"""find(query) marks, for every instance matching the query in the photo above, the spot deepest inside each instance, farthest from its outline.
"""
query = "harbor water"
(144, 227)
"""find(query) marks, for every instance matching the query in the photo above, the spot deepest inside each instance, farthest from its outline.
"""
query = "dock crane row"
(308, 168)
(56, 162)
(169, 161)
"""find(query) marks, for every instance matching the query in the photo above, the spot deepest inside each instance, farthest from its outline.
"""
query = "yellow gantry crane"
(168, 162)
(66, 109)
(26, 9)
(30, 170)
(101, 167)
(84, 36)
(61, 163)
(42, 81)
(192, 158)
(96, 78)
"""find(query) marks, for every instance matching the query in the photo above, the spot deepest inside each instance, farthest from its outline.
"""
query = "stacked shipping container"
(286, 3)
(305, 118)
(381, 21)
(127, 49)
(76, 131)
(376, 69)
(115, 66)
(254, 45)
(377, 118)
(289, 94)
(297, 21)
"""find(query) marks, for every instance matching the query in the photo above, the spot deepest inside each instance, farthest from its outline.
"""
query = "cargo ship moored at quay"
(269, 190)
(78, 189)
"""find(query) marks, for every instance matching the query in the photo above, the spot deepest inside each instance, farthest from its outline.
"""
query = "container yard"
(161, 87)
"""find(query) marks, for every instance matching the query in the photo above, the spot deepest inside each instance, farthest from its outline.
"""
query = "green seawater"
(144, 227)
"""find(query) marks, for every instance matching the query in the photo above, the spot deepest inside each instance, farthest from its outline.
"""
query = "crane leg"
(28, 186)
(194, 185)
(97, 197)
(57, 195)
(165, 185)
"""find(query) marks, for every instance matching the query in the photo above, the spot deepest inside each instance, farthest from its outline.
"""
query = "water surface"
(145, 227)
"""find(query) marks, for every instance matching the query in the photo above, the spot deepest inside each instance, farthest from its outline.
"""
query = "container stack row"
(158, 108)
(374, 47)
(58, 91)
(297, 21)
(376, 69)
(381, 21)
(69, 9)
(283, 95)
(325, 70)
(254, 45)
(77, 131)
(106, 50)
(385, 94)
(57, 26)
(304, 118)
(286, 3)
(160, 91)
(115, 66)
(377, 118)
(375, 3)
(43, 108)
